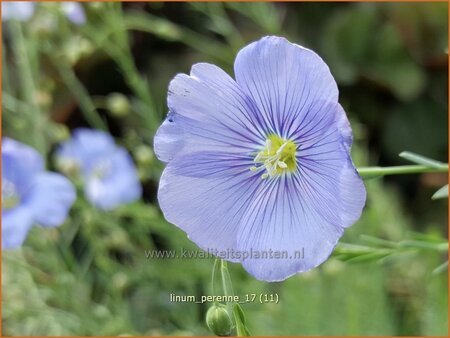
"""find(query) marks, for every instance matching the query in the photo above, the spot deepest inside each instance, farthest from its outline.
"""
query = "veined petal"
(15, 226)
(118, 185)
(214, 110)
(283, 223)
(168, 140)
(206, 194)
(50, 199)
(326, 174)
(283, 79)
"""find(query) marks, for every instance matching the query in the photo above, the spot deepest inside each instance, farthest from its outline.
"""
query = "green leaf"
(441, 268)
(237, 310)
(441, 193)
(419, 159)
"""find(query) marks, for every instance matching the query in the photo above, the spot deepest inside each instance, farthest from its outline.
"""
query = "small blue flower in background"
(17, 10)
(24, 10)
(260, 164)
(30, 195)
(74, 12)
(109, 174)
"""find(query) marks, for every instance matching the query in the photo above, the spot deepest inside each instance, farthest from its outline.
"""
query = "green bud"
(218, 320)
(144, 155)
(59, 132)
(118, 104)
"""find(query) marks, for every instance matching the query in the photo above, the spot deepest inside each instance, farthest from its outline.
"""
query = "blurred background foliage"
(91, 275)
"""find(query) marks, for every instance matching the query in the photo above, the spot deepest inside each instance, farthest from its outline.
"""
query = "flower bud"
(144, 155)
(218, 320)
(118, 104)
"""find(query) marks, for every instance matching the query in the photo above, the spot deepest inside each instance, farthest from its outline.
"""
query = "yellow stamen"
(277, 157)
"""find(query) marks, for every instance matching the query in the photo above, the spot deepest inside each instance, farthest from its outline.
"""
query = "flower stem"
(27, 84)
(213, 277)
(369, 172)
(234, 309)
(82, 96)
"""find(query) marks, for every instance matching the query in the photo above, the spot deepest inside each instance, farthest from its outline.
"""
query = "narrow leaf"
(441, 193)
(419, 159)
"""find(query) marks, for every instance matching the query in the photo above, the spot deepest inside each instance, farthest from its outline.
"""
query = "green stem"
(226, 279)
(213, 277)
(5, 70)
(368, 172)
(233, 308)
(27, 84)
(78, 90)
(118, 48)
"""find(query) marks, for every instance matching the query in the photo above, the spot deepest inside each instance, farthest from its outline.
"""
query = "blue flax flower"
(17, 10)
(109, 174)
(30, 195)
(74, 12)
(259, 168)
(24, 10)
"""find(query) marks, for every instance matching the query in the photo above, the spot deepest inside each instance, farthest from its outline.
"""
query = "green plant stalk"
(134, 79)
(119, 50)
(213, 278)
(368, 172)
(14, 105)
(78, 90)
(5, 70)
(171, 32)
(28, 86)
(228, 290)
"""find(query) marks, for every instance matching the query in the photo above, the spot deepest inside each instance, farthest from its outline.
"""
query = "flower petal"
(168, 140)
(119, 185)
(74, 12)
(86, 147)
(344, 127)
(206, 194)
(20, 163)
(212, 111)
(283, 79)
(286, 231)
(50, 199)
(15, 226)
(326, 174)
(17, 10)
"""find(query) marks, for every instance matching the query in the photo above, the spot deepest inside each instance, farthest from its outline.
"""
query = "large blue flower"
(29, 194)
(259, 168)
(109, 174)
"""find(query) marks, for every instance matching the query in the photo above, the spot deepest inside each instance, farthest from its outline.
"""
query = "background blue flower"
(24, 10)
(15, 10)
(74, 12)
(109, 174)
(30, 195)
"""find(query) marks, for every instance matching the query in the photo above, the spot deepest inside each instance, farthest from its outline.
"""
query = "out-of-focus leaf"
(441, 193)
(441, 268)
